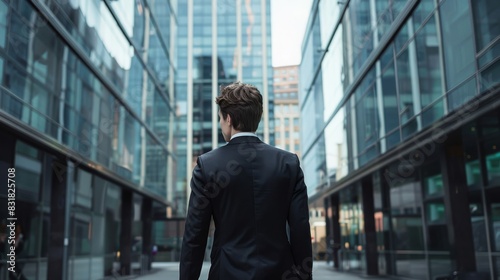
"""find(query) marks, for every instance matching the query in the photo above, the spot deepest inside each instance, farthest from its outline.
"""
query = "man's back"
(252, 190)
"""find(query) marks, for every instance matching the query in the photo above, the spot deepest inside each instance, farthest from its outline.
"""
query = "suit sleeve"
(300, 232)
(196, 229)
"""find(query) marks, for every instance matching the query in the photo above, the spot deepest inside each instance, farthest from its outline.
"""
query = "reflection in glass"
(408, 90)
(28, 164)
(413, 266)
(434, 185)
(332, 67)
(493, 167)
(471, 156)
(368, 22)
(3, 23)
(367, 121)
(439, 265)
(429, 69)
(328, 15)
(490, 77)
(422, 12)
(83, 189)
(462, 94)
(486, 21)
(405, 209)
(492, 158)
(408, 233)
(392, 139)
(390, 100)
(435, 214)
(314, 163)
(478, 222)
(336, 147)
(352, 239)
(156, 167)
(433, 112)
(458, 46)
(495, 221)
(52, 89)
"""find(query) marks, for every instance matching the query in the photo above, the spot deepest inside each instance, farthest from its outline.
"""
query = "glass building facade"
(219, 42)
(405, 151)
(86, 119)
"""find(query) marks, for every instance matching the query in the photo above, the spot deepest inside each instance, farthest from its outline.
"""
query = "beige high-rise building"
(286, 108)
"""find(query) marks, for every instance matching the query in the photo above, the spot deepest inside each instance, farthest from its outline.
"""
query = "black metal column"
(328, 227)
(7, 152)
(369, 220)
(457, 203)
(147, 229)
(334, 202)
(62, 180)
(126, 233)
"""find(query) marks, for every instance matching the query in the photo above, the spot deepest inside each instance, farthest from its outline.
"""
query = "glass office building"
(404, 154)
(219, 42)
(87, 121)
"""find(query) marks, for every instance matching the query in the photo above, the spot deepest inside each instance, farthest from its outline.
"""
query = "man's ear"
(228, 119)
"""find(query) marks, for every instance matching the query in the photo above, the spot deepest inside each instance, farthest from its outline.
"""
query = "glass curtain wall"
(101, 98)
(94, 219)
(481, 152)
(413, 83)
(352, 241)
(32, 212)
(391, 72)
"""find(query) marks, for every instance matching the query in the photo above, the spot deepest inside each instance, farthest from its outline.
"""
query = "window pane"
(367, 120)
(406, 107)
(478, 222)
(83, 189)
(490, 78)
(492, 150)
(458, 46)
(393, 139)
(391, 116)
(408, 232)
(495, 208)
(3, 23)
(435, 213)
(432, 178)
(433, 113)
(461, 94)
(429, 69)
(472, 164)
(486, 21)
(28, 172)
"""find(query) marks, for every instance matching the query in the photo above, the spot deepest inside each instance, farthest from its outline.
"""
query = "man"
(252, 191)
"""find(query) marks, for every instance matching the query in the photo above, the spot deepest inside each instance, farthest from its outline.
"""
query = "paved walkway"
(170, 271)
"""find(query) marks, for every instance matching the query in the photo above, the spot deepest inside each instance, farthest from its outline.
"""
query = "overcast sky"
(288, 23)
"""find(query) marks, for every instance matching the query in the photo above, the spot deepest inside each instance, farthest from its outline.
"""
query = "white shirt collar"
(239, 134)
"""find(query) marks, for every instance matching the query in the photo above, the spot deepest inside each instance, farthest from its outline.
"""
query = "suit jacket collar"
(244, 139)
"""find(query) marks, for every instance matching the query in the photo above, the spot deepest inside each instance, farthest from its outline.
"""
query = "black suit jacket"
(251, 190)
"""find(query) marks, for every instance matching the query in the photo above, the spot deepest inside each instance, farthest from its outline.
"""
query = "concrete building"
(286, 108)
(86, 131)
(400, 134)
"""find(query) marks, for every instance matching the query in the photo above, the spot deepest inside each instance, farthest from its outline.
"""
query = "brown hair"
(243, 103)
